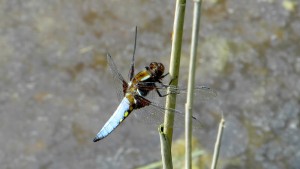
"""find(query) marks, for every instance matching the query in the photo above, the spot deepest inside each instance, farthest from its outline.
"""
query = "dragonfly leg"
(164, 85)
(173, 90)
(164, 75)
(172, 80)
(159, 94)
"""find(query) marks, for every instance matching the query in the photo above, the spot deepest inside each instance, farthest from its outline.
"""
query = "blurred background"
(56, 91)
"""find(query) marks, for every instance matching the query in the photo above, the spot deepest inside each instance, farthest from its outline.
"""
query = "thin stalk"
(218, 144)
(166, 149)
(174, 71)
(191, 84)
(174, 65)
(158, 164)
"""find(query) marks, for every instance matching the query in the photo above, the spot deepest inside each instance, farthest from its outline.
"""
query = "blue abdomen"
(114, 121)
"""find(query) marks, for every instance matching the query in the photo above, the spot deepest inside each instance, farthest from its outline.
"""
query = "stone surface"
(56, 91)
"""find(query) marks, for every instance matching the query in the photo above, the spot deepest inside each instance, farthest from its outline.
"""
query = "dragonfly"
(134, 94)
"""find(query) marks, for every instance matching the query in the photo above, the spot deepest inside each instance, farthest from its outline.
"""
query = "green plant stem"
(218, 144)
(174, 71)
(191, 84)
(165, 149)
(174, 65)
(158, 164)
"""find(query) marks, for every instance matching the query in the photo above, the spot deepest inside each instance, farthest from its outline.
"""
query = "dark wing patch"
(141, 102)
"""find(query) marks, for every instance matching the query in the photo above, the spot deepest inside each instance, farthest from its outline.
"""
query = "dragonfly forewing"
(201, 93)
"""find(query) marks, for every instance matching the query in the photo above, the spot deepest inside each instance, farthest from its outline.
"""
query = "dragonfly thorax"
(144, 82)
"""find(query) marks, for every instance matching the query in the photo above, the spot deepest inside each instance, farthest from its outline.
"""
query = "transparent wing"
(154, 115)
(155, 112)
(119, 82)
(201, 93)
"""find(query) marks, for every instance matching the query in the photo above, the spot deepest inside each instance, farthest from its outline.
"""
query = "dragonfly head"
(157, 69)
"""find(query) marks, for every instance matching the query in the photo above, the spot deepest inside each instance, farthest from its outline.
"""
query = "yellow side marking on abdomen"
(126, 114)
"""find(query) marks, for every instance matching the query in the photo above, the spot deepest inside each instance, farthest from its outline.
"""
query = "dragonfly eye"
(157, 68)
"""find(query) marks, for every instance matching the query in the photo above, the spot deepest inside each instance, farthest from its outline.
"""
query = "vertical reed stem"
(218, 144)
(174, 71)
(165, 149)
(174, 65)
(191, 84)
